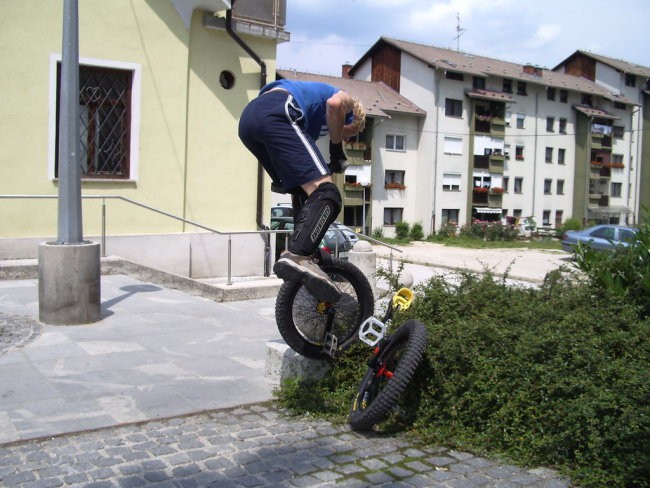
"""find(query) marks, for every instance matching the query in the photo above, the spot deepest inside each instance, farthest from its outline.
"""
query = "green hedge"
(556, 375)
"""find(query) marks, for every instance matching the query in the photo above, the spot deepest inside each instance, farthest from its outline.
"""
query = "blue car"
(601, 237)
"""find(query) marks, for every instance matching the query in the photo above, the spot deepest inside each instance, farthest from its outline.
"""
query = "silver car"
(599, 237)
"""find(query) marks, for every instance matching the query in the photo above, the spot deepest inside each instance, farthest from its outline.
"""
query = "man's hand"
(338, 160)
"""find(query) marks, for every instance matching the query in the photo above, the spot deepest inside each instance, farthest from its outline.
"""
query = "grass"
(473, 243)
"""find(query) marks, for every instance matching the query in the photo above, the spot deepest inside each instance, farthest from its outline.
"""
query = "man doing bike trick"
(280, 127)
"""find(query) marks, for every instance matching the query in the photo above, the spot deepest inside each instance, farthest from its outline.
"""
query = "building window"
(392, 215)
(521, 88)
(587, 99)
(546, 217)
(618, 131)
(564, 96)
(549, 155)
(520, 121)
(449, 215)
(516, 213)
(562, 126)
(559, 215)
(395, 142)
(559, 189)
(453, 108)
(506, 181)
(550, 122)
(453, 145)
(105, 114)
(630, 79)
(394, 178)
(451, 181)
(620, 106)
(507, 86)
(550, 93)
(616, 189)
(548, 183)
(519, 183)
(453, 75)
(519, 152)
(478, 82)
(561, 154)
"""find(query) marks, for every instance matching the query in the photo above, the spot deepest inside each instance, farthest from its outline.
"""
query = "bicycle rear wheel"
(390, 372)
(302, 319)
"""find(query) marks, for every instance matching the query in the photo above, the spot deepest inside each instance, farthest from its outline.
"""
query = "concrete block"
(364, 258)
(69, 283)
(282, 363)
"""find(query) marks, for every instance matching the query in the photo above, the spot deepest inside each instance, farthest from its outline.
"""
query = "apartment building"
(629, 189)
(502, 139)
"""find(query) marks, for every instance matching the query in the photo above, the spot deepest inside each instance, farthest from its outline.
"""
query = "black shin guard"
(315, 217)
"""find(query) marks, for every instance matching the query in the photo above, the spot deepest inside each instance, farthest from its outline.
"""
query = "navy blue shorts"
(271, 128)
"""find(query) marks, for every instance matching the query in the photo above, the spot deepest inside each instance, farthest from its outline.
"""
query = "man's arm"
(338, 105)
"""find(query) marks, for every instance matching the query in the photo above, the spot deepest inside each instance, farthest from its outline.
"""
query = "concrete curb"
(217, 290)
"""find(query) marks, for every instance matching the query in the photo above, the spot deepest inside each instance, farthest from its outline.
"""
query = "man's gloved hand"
(338, 160)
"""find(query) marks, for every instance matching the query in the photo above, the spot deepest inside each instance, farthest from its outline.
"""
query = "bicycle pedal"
(330, 345)
(372, 331)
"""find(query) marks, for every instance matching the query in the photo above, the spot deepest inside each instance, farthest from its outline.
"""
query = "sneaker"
(291, 266)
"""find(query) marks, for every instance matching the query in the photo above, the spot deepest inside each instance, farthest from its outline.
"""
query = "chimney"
(345, 70)
(533, 70)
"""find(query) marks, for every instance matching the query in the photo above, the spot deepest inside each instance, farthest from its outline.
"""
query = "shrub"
(416, 233)
(545, 376)
(447, 230)
(402, 229)
(623, 272)
(378, 233)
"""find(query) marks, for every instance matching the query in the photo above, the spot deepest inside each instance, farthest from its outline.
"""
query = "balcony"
(488, 124)
(496, 163)
(358, 153)
(601, 141)
(480, 195)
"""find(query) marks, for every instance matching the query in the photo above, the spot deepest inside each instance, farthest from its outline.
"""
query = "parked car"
(337, 240)
(602, 237)
(281, 211)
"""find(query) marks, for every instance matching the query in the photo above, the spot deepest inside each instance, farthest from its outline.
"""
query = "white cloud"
(323, 56)
(545, 34)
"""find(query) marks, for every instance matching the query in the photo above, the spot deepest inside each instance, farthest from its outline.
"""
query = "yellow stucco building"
(162, 84)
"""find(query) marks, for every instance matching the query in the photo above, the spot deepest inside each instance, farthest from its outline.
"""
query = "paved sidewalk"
(520, 263)
(156, 353)
(250, 447)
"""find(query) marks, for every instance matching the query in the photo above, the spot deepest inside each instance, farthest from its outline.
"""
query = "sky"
(327, 34)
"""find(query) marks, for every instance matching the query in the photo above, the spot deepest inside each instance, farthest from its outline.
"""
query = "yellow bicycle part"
(402, 299)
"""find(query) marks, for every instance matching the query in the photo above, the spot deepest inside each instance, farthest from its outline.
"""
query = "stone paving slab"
(251, 446)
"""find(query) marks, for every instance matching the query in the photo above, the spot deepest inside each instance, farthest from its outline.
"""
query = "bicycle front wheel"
(388, 376)
(302, 319)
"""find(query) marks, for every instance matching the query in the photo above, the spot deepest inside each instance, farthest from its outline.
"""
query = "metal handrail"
(181, 219)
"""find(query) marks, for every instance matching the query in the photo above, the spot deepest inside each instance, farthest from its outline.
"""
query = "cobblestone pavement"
(17, 330)
(248, 447)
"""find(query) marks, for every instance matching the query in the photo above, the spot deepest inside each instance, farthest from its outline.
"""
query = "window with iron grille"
(104, 122)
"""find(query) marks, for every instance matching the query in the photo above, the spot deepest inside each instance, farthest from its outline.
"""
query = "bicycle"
(392, 365)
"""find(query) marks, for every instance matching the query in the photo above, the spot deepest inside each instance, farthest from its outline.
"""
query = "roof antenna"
(459, 32)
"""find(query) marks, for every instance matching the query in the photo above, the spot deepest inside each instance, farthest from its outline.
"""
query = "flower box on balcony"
(615, 165)
(596, 163)
(520, 157)
(480, 189)
(496, 190)
(395, 186)
(356, 146)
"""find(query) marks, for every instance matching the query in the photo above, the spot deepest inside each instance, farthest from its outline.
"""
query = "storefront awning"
(486, 210)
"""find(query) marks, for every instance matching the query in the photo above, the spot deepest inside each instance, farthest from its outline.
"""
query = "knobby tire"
(302, 319)
(378, 394)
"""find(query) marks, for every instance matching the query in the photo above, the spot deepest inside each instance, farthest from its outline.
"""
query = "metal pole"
(363, 212)
(69, 215)
(229, 259)
(103, 227)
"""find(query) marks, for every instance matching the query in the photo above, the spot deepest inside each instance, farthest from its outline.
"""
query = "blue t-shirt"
(311, 97)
